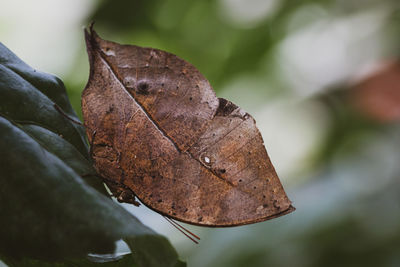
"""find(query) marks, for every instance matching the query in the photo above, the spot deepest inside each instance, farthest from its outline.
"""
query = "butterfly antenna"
(182, 229)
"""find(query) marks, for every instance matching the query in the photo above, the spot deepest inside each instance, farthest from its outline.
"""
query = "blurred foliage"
(220, 47)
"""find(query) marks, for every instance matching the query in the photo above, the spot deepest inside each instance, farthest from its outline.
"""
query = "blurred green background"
(322, 79)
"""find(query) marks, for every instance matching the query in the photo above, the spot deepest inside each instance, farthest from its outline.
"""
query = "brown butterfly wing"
(158, 129)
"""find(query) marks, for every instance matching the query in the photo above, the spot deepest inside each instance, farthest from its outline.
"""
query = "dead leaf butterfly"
(159, 133)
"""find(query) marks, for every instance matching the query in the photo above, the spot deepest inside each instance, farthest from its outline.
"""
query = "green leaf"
(46, 209)
(67, 153)
(30, 96)
(91, 261)
(114, 261)
(52, 202)
(144, 246)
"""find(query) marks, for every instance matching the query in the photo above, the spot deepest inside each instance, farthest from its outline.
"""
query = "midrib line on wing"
(154, 122)
(148, 116)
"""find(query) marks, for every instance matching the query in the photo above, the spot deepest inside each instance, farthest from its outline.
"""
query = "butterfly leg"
(128, 196)
(122, 193)
(57, 107)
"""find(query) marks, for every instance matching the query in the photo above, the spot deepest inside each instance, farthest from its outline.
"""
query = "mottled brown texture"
(158, 132)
